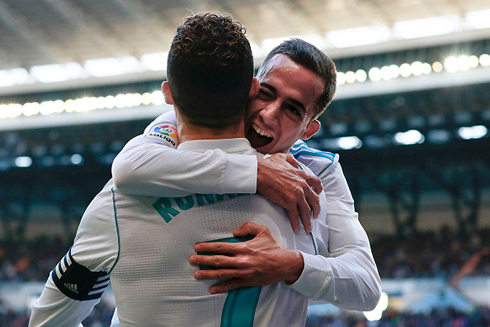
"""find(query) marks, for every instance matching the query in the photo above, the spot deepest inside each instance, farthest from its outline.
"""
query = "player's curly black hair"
(210, 70)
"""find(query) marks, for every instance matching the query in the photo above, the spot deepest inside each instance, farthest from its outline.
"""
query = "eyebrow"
(294, 101)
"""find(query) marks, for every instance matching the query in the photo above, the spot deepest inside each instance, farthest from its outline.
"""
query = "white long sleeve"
(149, 165)
(347, 275)
(53, 308)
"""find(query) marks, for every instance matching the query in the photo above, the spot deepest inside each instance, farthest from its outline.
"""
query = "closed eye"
(294, 110)
(264, 94)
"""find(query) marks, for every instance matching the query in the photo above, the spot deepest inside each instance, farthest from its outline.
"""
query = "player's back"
(154, 282)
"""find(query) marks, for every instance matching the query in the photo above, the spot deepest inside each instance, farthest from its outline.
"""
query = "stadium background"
(410, 121)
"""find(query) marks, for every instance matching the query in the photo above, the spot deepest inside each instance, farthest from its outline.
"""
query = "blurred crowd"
(100, 317)
(479, 317)
(439, 254)
(429, 254)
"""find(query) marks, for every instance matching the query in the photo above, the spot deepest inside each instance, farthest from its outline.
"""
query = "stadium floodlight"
(385, 73)
(377, 313)
(100, 102)
(341, 78)
(485, 60)
(30, 109)
(350, 77)
(23, 162)
(426, 68)
(110, 102)
(76, 159)
(157, 98)
(146, 98)
(474, 61)
(57, 73)
(410, 137)
(349, 142)
(14, 110)
(437, 67)
(417, 68)
(47, 108)
(432, 26)
(21, 76)
(135, 99)
(478, 19)
(361, 75)
(463, 63)
(451, 64)
(5, 79)
(359, 36)
(375, 74)
(405, 70)
(49, 73)
(121, 101)
(155, 61)
(394, 71)
(111, 66)
(473, 132)
(390, 72)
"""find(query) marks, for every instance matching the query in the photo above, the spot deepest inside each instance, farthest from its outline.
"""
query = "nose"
(270, 114)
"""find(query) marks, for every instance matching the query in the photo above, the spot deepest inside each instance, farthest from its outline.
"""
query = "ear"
(312, 128)
(167, 93)
(254, 88)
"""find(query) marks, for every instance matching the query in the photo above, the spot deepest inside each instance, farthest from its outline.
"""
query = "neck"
(189, 132)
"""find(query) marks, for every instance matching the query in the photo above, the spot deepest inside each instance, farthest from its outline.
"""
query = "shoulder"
(318, 161)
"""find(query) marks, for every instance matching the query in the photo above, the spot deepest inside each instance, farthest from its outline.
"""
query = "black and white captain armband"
(78, 282)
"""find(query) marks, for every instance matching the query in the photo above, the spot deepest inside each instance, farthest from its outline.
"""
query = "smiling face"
(284, 109)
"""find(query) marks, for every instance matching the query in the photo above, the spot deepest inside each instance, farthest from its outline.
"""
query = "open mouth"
(257, 137)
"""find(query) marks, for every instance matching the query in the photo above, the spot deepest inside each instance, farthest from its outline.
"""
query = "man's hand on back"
(260, 261)
(280, 180)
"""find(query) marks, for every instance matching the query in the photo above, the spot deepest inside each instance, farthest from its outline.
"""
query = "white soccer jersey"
(144, 244)
(346, 275)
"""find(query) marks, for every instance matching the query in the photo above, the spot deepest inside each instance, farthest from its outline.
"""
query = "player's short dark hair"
(312, 58)
(210, 70)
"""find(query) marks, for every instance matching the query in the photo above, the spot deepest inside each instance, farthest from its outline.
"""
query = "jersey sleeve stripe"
(78, 282)
(57, 270)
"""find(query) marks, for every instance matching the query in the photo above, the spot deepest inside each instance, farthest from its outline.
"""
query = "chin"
(264, 149)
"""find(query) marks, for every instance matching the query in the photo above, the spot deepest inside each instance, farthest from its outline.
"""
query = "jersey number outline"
(241, 303)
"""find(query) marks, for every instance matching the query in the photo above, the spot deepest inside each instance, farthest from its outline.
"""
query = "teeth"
(261, 132)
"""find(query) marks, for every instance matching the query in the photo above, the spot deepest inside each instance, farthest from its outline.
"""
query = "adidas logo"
(72, 287)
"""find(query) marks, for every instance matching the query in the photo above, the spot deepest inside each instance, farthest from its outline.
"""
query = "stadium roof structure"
(46, 44)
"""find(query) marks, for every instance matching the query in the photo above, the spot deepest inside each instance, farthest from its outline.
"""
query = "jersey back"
(154, 282)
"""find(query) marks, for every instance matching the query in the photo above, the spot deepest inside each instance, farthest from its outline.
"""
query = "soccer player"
(297, 83)
(143, 243)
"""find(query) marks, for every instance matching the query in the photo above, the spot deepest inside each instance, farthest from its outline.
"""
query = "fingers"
(250, 229)
(229, 285)
(305, 214)
(221, 274)
(217, 247)
(315, 183)
(217, 261)
(313, 202)
(290, 160)
(294, 217)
